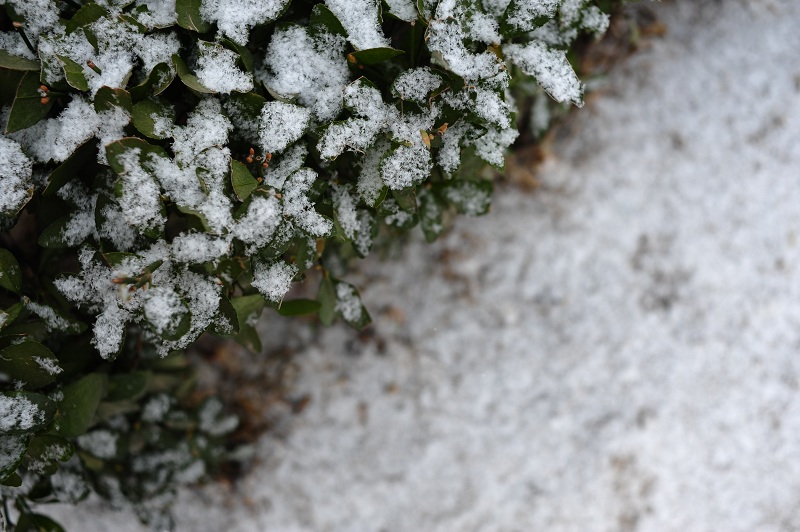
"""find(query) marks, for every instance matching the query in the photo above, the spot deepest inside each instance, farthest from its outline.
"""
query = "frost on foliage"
(406, 166)
(312, 69)
(40, 16)
(356, 133)
(19, 413)
(101, 443)
(235, 18)
(523, 15)
(370, 185)
(52, 321)
(285, 165)
(164, 309)
(217, 70)
(551, 69)
(403, 9)
(492, 144)
(281, 124)
(196, 248)
(416, 84)
(360, 21)
(297, 205)
(15, 176)
(139, 201)
(259, 224)
(275, 280)
(56, 138)
(348, 304)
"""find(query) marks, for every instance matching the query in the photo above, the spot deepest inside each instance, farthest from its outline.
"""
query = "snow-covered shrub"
(172, 167)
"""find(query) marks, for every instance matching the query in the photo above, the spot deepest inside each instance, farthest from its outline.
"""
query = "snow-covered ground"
(619, 350)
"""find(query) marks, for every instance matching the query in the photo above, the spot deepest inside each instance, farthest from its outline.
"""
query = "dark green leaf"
(10, 272)
(189, 16)
(72, 167)
(45, 451)
(8, 316)
(13, 62)
(86, 15)
(77, 408)
(37, 522)
(326, 296)
(116, 258)
(26, 412)
(31, 363)
(373, 56)
(189, 79)
(242, 180)
(248, 309)
(73, 72)
(117, 148)
(13, 480)
(128, 386)
(53, 235)
(406, 199)
(143, 117)
(228, 315)
(323, 19)
(28, 108)
(107, 98)
(12, 451)
(299, 307)
(157, 82)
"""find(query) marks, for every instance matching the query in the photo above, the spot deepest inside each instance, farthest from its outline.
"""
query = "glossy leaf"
(29, 522)
(128, 386)
(31, 363)
(73, 72)
(77, 408)
(30, 106)
(242, 180)
(188, 78)
(10, 272)
(189, 18)
(107, 98)
(326, 296)
(144, 117)
(373, 56)
(13, 62)
(157, 82)
(298, 307)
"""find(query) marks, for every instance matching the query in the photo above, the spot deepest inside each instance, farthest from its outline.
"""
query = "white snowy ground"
(617, 351)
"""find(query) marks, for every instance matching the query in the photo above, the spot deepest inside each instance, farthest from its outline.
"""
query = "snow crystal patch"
(56, 138)
(491, 146)
(140, 201)
(259, 224)
(281, 124)
(297, 205)
(285, 165)
(194, 248)
(164, 309)
(12, 447)
(403, 9)
(235, 18)
(40, 16)
(159, 14)
(111, 124)
(156, 408)
(48, 364)
(416, 84)
(356, 133)
(348, 304)
(406, 166)
(345, 207)
(217, 70)
(490, 107)
(52, 321)
(18, 413)
(15, 176)
(360, 20)
(551, 69)
(109, 329)
(205, 127)
(314, 70)
(524, 14)
(449, 155)
(370, 185)
(446, 42)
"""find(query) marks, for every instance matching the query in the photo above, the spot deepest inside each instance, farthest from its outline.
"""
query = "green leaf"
(326, 296)
(248, 309)
(107, 98)
(13, 481)
(13, 62)
(45, 451)
(246, 57)
(73, 72)
(128, 386)
(31, 363)
(37, 523)
(28, 108)
(117, 148)
(8, 316)
(189, 79)
(77, 408)
(10, 272)
(242, 180)
(26, 412)
(53, 235)
(143, 117)
(406, 199)
(189, 16)
(229, 315)
(323, 19)
(13, 448)
(373, 56)
(299, 307)
(157, 82)
(80, 158)
(116, 258)
(85, 16)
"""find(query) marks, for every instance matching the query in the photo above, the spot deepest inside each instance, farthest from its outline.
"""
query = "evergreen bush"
(172, 167)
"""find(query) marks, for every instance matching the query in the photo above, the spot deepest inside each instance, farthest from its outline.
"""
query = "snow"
(100, 443)
(416, 84)
(615, 350)
(235, 18)
(275, 280)
(18, 413)
(403, 9)
(282, 124)
(348, 304)
(551, 69)
(360, 20)
(163, 309)
(15, 176)
(217, 70)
